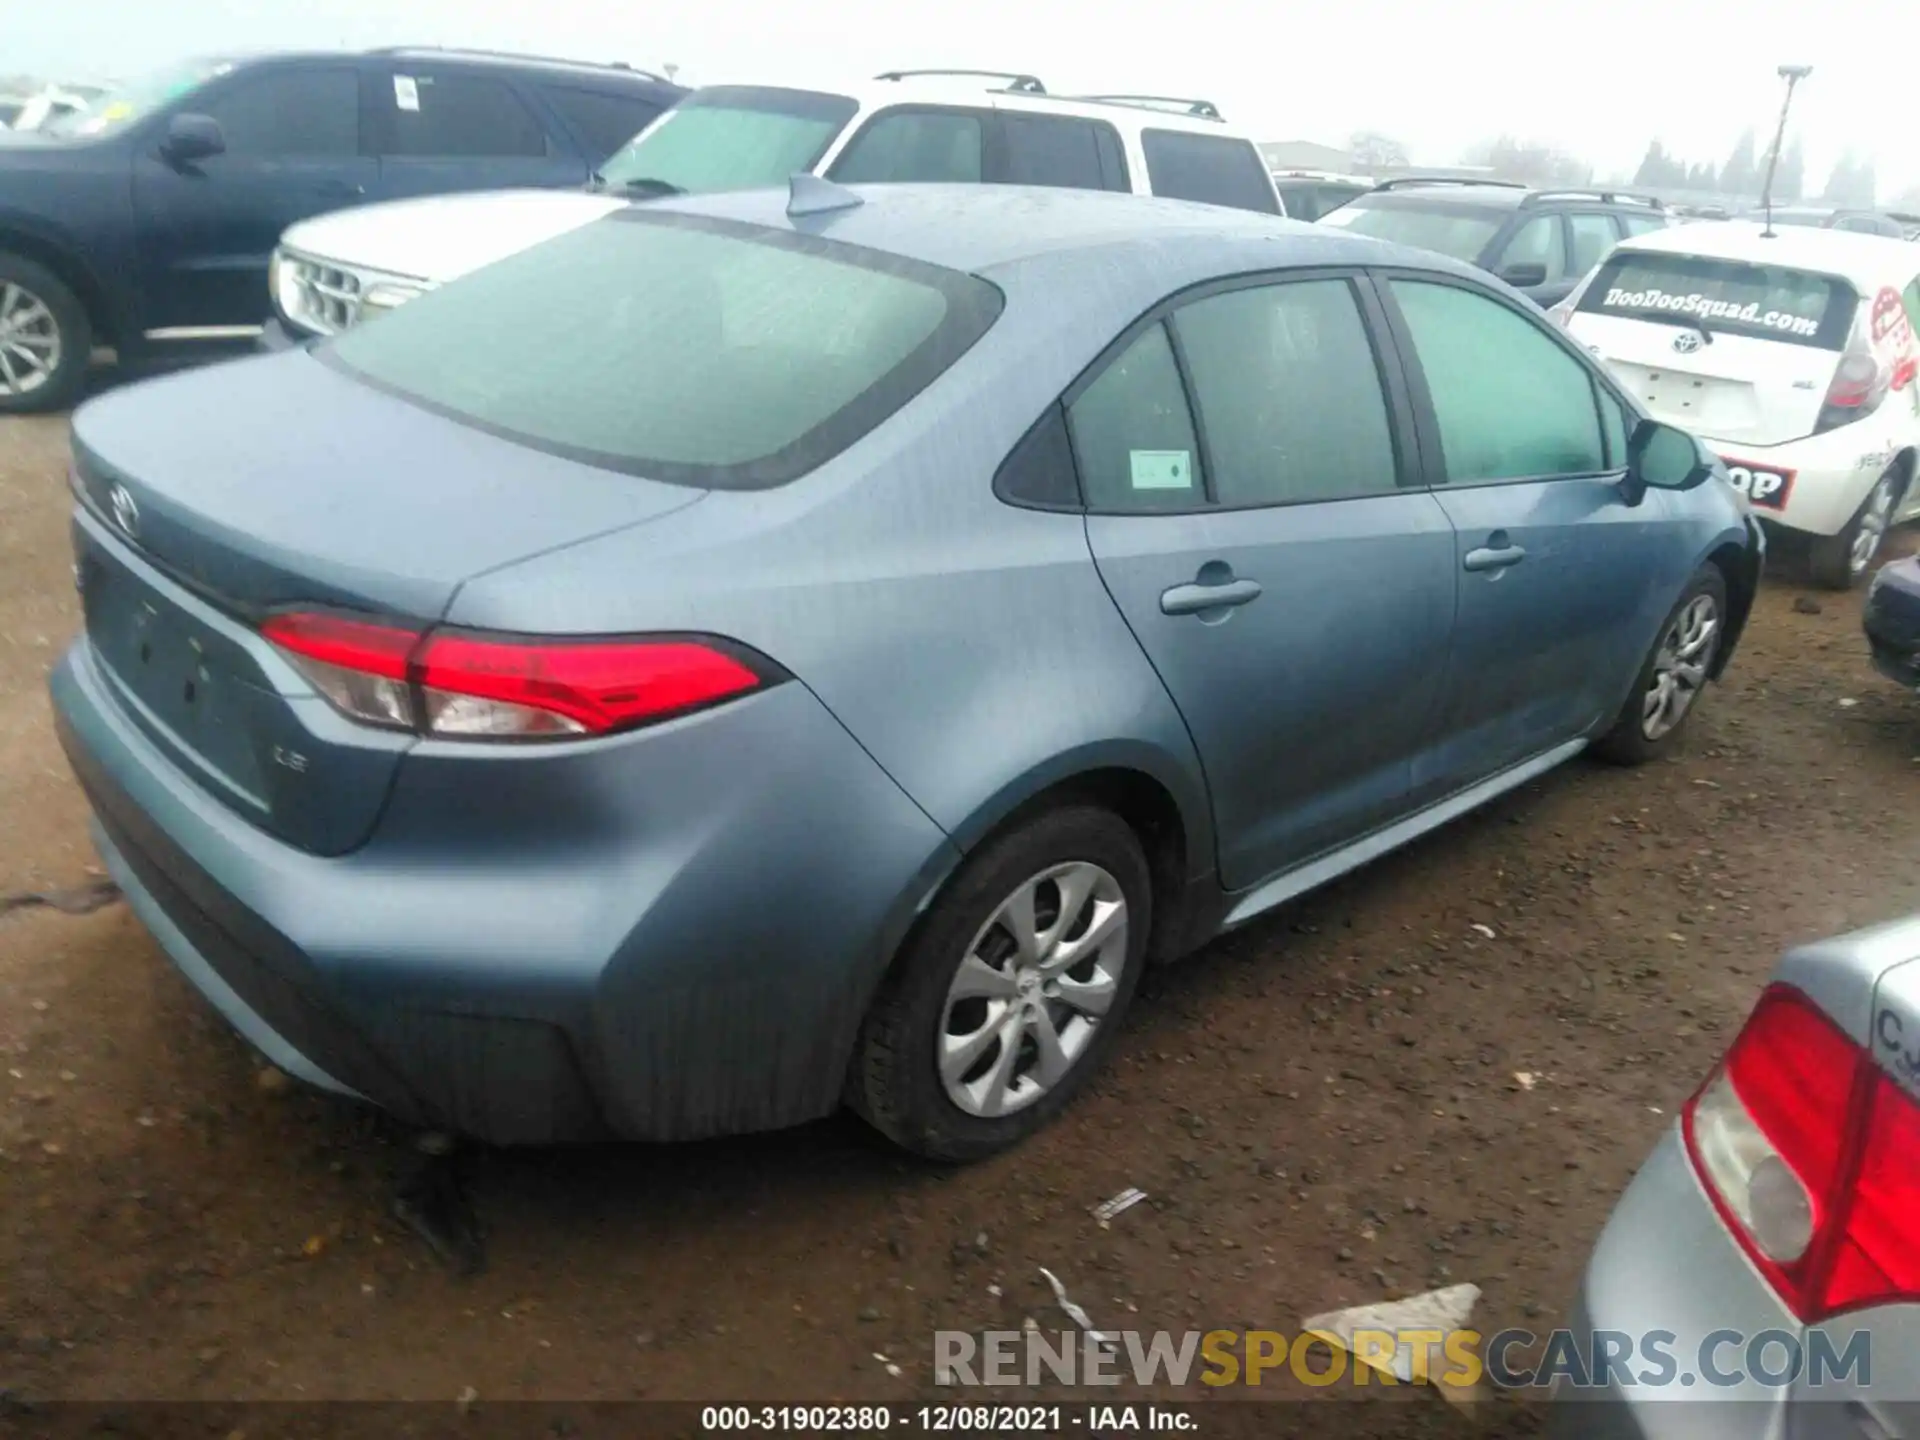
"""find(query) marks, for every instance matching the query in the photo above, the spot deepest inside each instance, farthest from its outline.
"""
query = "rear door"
(441, 129)
(1562, 583)
(1294, 596)
(205, 229)
(1736, 352)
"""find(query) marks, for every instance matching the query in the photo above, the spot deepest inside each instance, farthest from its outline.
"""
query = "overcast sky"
(1599, 80)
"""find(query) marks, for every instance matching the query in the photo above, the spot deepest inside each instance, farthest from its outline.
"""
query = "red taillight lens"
(1860, 382)
(1799, 1138)
(456, 684)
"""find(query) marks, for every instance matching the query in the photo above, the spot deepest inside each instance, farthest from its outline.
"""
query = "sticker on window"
(406, 92)
(1161, 469)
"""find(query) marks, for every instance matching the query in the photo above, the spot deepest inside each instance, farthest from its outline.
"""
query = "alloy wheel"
(1871, 528)
(30, 344)
(1680, 666)
(1032, 989)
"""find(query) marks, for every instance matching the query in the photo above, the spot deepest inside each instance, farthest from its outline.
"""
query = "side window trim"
(1403, 427)
(1427, 419)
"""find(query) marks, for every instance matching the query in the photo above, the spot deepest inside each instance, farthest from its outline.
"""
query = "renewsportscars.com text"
(1705, 307)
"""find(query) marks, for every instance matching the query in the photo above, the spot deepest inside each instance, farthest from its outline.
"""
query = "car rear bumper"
(1892, 622)
(691, 957)
(1814, 486)
(1667, 1274)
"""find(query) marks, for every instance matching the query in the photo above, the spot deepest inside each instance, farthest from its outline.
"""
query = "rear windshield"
(687, 349)
(1770, 302)
(1454, 230)
(732, 137)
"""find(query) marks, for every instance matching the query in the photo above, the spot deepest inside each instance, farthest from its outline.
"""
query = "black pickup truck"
(145, 223)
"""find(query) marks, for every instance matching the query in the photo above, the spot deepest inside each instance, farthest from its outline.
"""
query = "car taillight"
(1806, 1147)
(464, 685)
(1860, 382)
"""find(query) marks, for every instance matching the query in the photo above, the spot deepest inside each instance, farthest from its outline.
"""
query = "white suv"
(905, 125)
(1792, 354)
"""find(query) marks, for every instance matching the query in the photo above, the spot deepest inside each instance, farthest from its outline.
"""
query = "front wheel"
(1672, 676)
(1839, 562)
(46, 340)
(1010, 991)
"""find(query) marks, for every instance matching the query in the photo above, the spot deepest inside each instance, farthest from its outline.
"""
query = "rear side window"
(1593, 236)
(1510, 402)
(1133, 433)
(915, 146)
(603, 121)
(1288, 394)
(686, 349)
(291, 113)
(1209, 168)
(1057, 150)
(451, 115)
(1769, 302)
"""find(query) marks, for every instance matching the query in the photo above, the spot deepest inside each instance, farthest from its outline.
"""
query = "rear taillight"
(1806, 1147)
(463, 685)
(1860, 382)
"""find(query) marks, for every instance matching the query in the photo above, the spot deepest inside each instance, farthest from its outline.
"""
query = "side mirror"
(1524, 276)
(191, 138)
(1663, 457)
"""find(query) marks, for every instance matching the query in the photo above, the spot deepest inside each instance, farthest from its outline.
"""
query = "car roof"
(1864, 259)
(1013, 91)
(1465, 194)
(613, 71)
(988, 229)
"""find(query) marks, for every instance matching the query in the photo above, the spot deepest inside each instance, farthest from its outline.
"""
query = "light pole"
(1793, 75)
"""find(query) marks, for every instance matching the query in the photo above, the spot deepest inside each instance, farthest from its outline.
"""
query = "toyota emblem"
(1686, 342)
(126, 513)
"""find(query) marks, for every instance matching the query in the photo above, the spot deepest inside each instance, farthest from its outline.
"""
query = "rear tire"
(977, 1039)
(1667, 689)
(46, 338)
(1840, 562)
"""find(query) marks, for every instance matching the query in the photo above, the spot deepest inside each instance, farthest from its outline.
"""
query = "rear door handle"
(1494, 557)
(1196, 599)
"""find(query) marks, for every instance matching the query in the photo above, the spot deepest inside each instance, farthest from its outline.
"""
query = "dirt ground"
(1322, 1107)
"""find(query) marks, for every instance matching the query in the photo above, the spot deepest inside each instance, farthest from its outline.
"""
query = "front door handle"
(1494, 557)
(1197, 599)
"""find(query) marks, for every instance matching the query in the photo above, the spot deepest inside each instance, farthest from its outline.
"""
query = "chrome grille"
(326, 296)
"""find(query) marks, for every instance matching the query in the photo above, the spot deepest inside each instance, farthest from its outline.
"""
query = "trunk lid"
(210, 499)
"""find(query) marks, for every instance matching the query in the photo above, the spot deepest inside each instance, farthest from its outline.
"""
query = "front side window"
(1538, 242)
(1133, 433)
(1593, 237)
(291, 113)
(604, 121)
(1059, 150)
(1510, 402)
(1642, 224)
(915, 147)
(1460, 231)
(732, 137)
(1212, 169)
(452, 115)
(1766, 302)
(694, 351)
(1288, 393)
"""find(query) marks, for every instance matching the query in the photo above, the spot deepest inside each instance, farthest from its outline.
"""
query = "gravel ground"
(1323, 1108)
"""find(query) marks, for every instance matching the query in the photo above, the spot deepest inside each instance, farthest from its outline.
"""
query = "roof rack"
(1018, 81)
(1408, 182)
(1611, 197)
(1174, 104)
(471, 53)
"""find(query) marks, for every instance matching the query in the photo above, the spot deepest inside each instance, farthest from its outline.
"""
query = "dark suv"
(1539, 241)
(145, 222)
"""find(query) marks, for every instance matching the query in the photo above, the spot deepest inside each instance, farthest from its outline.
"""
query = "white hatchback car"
(1793, 355)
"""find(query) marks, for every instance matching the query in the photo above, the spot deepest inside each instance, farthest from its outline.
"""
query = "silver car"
(1761, 1274)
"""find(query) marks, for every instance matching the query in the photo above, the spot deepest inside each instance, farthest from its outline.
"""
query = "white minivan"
(950, 126)
(1791, 352)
